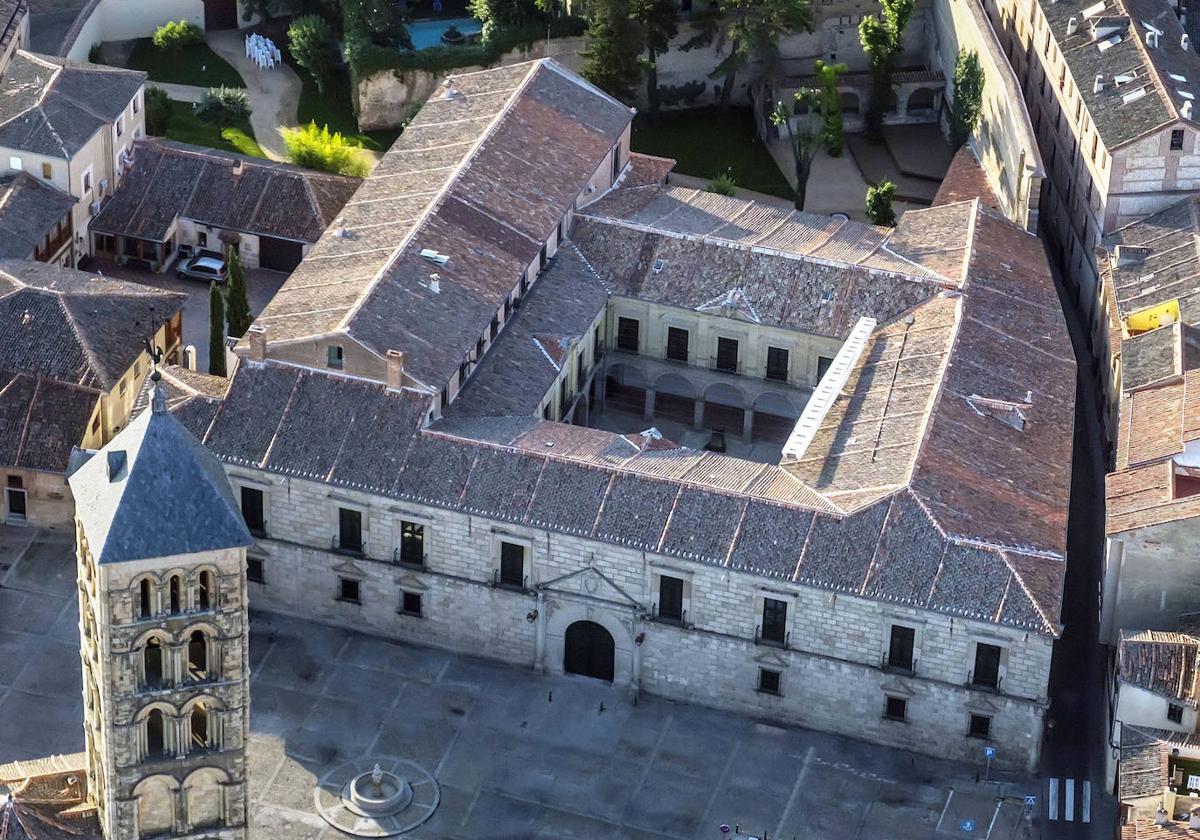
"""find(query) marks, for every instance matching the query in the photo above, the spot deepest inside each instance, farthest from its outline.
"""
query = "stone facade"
(833, 662)
(166, 693)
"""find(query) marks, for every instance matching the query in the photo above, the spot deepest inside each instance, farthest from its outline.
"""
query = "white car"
(209, 269)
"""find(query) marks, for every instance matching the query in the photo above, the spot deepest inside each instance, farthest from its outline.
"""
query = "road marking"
(1087, 801)
(1052, 799)
(787, 810)
(1069, 802)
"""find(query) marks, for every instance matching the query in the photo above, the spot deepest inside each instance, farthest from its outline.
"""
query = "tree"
(158, 111)
(319, 148)
(657, 19)
(614, 43)
(968, 96)
(216, 331)
(879, 203)
(224, 106)
(722, 183)
(311, 43)
(263, 8)
(804, 138)
(831, 106)
(239, 304)
(882, 41)
(174, 35)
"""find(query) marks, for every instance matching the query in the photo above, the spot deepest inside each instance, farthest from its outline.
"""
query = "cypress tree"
(239, 304)
(216, 331)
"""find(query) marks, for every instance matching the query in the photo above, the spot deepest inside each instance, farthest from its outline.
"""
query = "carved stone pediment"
(590, 582)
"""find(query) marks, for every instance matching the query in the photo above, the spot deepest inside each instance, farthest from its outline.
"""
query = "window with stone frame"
(895, 708)
(770, 681)
(349, 589)
(628, 334)
(677, 344)
(986, 673)
(350, 530)
(410, 603)
(777, 364)
(512, 564)
(773, 629)
(335, 357)
(980, 726)
(411, 551)
(255, 573)
(900, 647)
(254, 510)
(1174, 713)
(727, 354)
(670, 598)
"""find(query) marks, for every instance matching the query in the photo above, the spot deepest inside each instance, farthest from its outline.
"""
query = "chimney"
(258, 343)
(1194, 819)
(1152, 40)
(435, 284)
(1185, 41)
(1185, 110)
(395, 369)
(239, 166)
(1072, 25)
(1160, 816)
(1098, 85)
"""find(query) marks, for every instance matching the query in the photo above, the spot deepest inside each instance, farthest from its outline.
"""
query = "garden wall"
(1004, 142)
(120, 20)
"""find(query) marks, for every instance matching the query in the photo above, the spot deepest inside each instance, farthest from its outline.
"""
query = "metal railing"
(398, 560)
(359, 550)
(886, 664)
(759, 639)
(987, 686)
(656, 615)
(504, 584)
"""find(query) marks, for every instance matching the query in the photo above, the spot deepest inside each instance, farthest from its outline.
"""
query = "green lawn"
(705, 143)
(186, 127)
(335, 108)
(197, 65)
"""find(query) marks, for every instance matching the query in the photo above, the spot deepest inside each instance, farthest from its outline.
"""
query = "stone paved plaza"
(517, 755)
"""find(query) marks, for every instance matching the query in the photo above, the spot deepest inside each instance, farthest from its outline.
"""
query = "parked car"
(209, 269)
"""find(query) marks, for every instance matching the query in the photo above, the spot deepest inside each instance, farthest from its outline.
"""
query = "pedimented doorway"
(589, 651)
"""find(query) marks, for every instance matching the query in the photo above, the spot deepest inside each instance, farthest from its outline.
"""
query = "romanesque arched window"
(145, 594)
(206, 594)
(197, 655)
(198, 728)
(176, 588)
(156, 744)
(153, 664)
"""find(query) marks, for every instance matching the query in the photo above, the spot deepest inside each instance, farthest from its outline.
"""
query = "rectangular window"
(47, 171)
(895, 708)
(350, 530)
(564, 398)
(137, 103)
(120, 126)
(1174, 713)
(1177, 140)
(494, 327)
(412, 544)
(987, 666)
(252, 510)
(627, 334)
(677, 344)
(512, 564)
(774, 621)
(598, 343)
(410, 603)
(542, 257)
(670, 598)
(777, 363)
(334, 357)
(86, 181)
(350, 590)
(14, 163)
(900, 648)
(980, 727)
(823, 363)
(254, 570)
(769, 681)
(727, 354)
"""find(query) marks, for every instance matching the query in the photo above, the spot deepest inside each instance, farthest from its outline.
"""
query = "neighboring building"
(174, 195)
(14, 28)
(72, 362)
(36, 221)
(47, 799)
(881, 552)
(70, 125)
(163, 625)
(1155, 684)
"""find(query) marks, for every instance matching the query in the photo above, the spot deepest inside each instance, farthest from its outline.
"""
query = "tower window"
(152, 661)
(410, 603)
(176, 594)
(155, 743)
(197, 654)
(206, 592)
(144, 609)
(199, 727)
(769, 681)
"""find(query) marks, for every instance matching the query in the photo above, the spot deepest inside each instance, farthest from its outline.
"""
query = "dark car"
(209, 269)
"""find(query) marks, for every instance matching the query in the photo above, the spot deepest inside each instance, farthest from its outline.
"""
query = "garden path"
(274, 94)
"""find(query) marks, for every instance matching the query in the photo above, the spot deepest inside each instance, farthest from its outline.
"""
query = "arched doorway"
(589, 651)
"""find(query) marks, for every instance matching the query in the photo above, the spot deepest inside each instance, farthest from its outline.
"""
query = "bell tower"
(161, 549)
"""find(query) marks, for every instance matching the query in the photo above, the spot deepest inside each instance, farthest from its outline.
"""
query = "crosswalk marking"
(1062, 803)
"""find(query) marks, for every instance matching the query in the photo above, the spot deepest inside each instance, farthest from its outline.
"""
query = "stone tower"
(163, 630)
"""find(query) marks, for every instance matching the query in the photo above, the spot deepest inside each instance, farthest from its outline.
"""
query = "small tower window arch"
(145, 599)
(197, 655)
(152, 662)
(176, 588)
(156, 745)
(206, 593)
(198, 725)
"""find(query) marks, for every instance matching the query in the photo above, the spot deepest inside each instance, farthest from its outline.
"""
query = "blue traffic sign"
(989, 752)
(1031, 799)
(967, 825)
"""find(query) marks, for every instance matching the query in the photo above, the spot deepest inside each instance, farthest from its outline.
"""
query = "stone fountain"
(377, 797)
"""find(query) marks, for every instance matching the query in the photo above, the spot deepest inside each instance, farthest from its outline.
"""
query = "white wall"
(116, 20)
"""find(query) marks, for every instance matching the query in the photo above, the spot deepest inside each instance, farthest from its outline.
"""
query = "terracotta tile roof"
(48, 800)
(167, 181)
(645, 170)
(1161, 261)
(75, 328)
(1163, 663)
(29, 210)
(53, 106)
(1143, 764)
(1147, 830)
(965, 180)
(482, 174)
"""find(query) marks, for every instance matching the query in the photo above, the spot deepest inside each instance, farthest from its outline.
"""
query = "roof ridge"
(83, 344)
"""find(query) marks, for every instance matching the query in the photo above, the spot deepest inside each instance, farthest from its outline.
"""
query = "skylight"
(1176, 77)
(1124, 78)
(1134, 95)
(1109, 42)
(1092, 11)
(1184, 94)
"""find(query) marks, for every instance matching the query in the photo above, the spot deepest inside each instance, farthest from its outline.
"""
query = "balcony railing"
(356, 550)
(398, 559)
(985, 686)
(656, 615)
(759, 639)
(505, 584)
(886, 664)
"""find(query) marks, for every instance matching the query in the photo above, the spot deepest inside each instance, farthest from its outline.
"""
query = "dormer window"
(334, 357)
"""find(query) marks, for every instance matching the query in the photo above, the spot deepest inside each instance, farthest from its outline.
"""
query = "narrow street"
(1076, 735)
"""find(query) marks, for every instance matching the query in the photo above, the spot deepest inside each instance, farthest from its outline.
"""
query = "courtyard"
(515, 754)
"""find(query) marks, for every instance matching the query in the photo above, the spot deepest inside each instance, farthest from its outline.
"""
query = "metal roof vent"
(1152, 40)
(435, 284)
(1072, 25)
(116, 464)
(434, 257)
(1185, 41)
(1098, 85)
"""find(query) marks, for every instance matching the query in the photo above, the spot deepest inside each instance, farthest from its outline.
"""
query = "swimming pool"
(428, 33)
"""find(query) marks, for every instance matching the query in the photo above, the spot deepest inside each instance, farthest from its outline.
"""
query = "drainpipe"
(539, 656)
